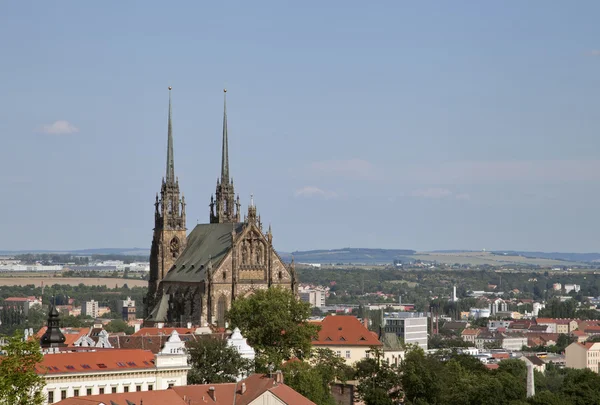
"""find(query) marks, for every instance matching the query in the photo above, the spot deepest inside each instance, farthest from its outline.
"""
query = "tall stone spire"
(170, 178)
(225, 147)
(224, 208)
(53, 337)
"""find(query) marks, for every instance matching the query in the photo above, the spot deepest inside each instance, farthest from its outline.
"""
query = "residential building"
(257, 389)
(347, 337)
(22, 304)
(411, 327)
(514, 341)
(572, 287)
(239, 343)
(91, 309)
(583, 355)
(101, 371)
(558, 325)
(314, 296)
(469, 334)
(128, 309)
(495, 325)
(537, 363)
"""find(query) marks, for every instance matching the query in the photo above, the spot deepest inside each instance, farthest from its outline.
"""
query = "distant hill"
(572, 257)
(350, 255)
(84, 252)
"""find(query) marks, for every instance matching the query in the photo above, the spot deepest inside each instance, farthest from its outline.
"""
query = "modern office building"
(411, 327)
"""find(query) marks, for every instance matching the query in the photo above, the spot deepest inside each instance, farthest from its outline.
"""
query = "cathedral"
(194, 278)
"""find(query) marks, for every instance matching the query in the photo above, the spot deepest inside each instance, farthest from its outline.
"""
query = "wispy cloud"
(357, 169)
(60, 127)
(438, 193)
(311, 191)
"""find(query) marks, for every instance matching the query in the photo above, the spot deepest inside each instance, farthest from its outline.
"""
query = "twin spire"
(170, 178)
(225, 150)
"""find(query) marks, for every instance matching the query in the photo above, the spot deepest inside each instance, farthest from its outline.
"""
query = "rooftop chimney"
(212, 393)
(160, 325)
(243, 388)
(189, 325)
(279, 377)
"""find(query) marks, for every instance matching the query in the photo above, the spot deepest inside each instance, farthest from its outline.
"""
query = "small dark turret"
(53, 336)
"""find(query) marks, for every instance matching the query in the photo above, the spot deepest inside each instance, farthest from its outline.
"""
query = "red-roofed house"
(102, 371)
(256, 389)
(346, 336)
(22, 303)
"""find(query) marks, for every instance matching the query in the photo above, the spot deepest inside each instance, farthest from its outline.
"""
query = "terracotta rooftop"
(230, 393)
(344, 330)
(19, 299)
(558, 321)
(71, 334)
(96, 360)
(155, 342)
(471, 331)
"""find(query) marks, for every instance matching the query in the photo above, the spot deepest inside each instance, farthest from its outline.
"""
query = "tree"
(275, 323)
(379, 382)
(214, 362)
(19, 382)
(308, 381)
(119, 325)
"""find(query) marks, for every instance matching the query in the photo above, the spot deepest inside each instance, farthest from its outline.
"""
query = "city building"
(410, 327)
(102, 371)
(346, 336)
(558, 325)
(537, 363)
(128, 309)
(257, 389)
(469, 334)
(476, 313)
(572, 287)
(195, 277)
(314, 296)
(22, 304)
(583, 355)
(90, 308)
(239, 343)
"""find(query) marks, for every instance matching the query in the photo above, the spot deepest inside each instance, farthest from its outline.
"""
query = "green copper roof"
(206, 242)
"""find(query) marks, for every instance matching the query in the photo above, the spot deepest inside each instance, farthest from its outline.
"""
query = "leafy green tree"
(19, 382)
(214, 362)
(376, 378)
(308, 381)
(119, 325)
(276, 325)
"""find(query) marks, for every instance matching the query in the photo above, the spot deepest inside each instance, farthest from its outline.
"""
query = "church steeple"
(225, 148)
(169, 221)
(53, 337)
(170, 178)
(224, 208)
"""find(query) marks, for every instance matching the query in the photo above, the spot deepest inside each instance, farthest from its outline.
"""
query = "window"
(339, 353)
(138, 388)
(88, 391)
(113, 390)
(50, 397)
(347, 354)
(85, 366)
(101, 390)
(126, 388)
(63, 394)
(150, 387)
(75, 392)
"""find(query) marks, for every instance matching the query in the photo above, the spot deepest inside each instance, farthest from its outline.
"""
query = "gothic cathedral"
(194, 278)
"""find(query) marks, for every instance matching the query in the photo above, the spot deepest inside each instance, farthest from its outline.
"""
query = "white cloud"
(311, 191)
(357, 169)
(60, 127)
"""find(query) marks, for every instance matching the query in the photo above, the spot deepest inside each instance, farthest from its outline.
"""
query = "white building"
(237, 341)
(411, 327)
(90, 308)
(314, 296)
(98, 371)
(477, 313)
(572, 287)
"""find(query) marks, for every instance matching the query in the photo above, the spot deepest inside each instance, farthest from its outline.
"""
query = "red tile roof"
(230, 393)
(94, 361)
(345, 330)
(471, 331)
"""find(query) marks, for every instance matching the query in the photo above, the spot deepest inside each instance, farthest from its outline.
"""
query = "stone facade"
(216, 262)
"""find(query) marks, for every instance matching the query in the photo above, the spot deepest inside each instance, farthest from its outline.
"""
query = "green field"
(481, 258)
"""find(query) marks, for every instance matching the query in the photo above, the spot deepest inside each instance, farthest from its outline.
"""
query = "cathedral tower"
(226, 208)
(169, 238)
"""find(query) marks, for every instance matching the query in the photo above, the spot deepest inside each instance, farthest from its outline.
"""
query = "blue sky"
(422, 125)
